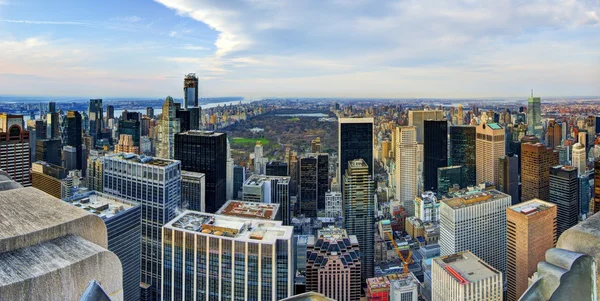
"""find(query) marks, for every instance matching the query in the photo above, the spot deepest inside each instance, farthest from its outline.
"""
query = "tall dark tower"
(95, 114)
(110, 112)
(205, 152)
(74, 137)
(462, 150)
(435, 150)
(564, 192)
(190, 91)
(355, 141)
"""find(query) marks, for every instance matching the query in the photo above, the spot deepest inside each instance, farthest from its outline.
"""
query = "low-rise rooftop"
(383, 283)
(142, 159)
(531, 207)
(474, 198)
(202, 133)
(258, 180)
(254, 210)
(465, 267)
(103, 205)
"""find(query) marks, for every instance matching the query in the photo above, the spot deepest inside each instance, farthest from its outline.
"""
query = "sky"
(306, 48)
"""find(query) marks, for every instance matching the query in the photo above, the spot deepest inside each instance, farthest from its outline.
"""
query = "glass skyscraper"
(95, 115)
(73, 137)
(534, 117)
(435, 151)
(355, 140)
(462, 150)
(156, 184)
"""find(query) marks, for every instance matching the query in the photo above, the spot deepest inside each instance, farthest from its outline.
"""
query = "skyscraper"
(448, 177)
(157, 185)
(531, 231)
(168, 126)
(359, 207)
(95, 114)
(276, 168)
(417, 119)
(355, 140)
(239, 177)
(110, 112)
(131, 127)
(476, 221)
(534, 116)
(564, 192)
(48, 150)
(595, 207)
(190, 90)
(313, 183)
(406, 166)
(150, 112)
(508, 177)
(578, 158)
(220, 256)
(193, 193)
(205, 152)
(333, 264)
(74, 138)
(489, 146)
(15, 153)
(536, 160)
(554, 134)
(462, 150)
(435, 151)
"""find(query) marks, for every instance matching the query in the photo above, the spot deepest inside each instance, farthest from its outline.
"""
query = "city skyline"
(310, 49)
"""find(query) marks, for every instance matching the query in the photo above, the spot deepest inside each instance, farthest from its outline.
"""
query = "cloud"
(173, 33)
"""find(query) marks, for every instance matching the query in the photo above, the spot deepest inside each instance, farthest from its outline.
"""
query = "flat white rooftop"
(467, 266)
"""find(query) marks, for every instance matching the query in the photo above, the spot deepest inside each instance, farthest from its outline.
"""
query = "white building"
(406, 166)
(427, 207)
(270, 190)
(465, 277)
(579, 158)
(404, 288)
(476, 221)
(333, 204)
(260, 162)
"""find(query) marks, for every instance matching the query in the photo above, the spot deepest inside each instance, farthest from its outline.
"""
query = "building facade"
(534, 117)
(489, 145)
(193, 194)
(564, 193)
(435, 151)
(333, 204)
(168, 126)
(417, 118)
(508, 177)
(355, 138)
(406, 166)
(15, 153)
(536, 160)
(462, 150)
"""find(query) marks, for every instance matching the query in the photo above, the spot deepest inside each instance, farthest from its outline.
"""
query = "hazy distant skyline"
(337, 48)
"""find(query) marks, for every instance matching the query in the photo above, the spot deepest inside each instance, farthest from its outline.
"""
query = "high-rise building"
(586, 184)
(476, 221)
(554, 134)
(15, 153)
(110, 112)
(564, 192)
(219, 256)
(359, 211)
(190, 90)
(406, 166)
(417, 119)
(508, 177)
(260, 162)
(95, 175)
(534, 117)
(157, 185)
(595, 207)
(313, 183)
(269, 190)
(450, 177)
(463, 276)
(51, 250)
(536, 160)
(131, 127)
(184, 119)
(333, 264)
(239, 177)
(50, 179)
(333, 204)
(462, 151)
(74, 138)
(48, 150)
(150, 112)
(123, 226)
(578, 158)
(205, 152)
(435, 151)
(126, 145)
(531, 231)
(355, 140)
(52, 126)
(168, 127)
(427, 207)
(193, 194)
(489, 145)
(95, 114)
(276, 168)
(315, 145)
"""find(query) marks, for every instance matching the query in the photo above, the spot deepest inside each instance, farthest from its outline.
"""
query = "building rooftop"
(465, 267)
(531, 207)
(473, 198)
(309, 296)
(202, 133)
(254, 210)
(142, 159)
(185, 173)
(494, 126)
(103, 205)
(383, 283)
(258, 180)
(240, 229)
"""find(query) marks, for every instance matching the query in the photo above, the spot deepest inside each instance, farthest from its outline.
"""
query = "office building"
(531, 231)
(333, 264)
(183, 116)
(359, 210)
(126, 145)
(168, 127)
(536, 160)
(417, 119)
(131, 127)
(427, 207)
(476, 221)
(74, 138)
(276, 168)
(190, 90)
(150, 112)
(52, 126)
(405, 289)
(193, 193)
(50, 179)
(489, 145)
(216, 256)
(586, 184)
(239, 177)
(463, 276)
(564, 193)
(205, 152)
(578, 157)
(380, 288)
(313, 183)
(69, 157)
(14, 148)
(50, 250)
(123, 227)
(554, 134)
(95, 114)
(462, 151)
(508, 177)
(534, 117)
(48, 150)
(315, 145)
(406, 166)
(269, 190)
(229, 174)
(251, 210)
(595, 206)
(435, 151)
(110, 112)
(450, 177)
(95, 166)
(333, 204)
(157, 185)
(355, 138)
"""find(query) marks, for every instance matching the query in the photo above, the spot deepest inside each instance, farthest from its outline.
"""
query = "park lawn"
(293, 119)
(249, 141)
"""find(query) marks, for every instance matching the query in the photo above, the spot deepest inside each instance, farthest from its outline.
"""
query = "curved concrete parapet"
(584, 238)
